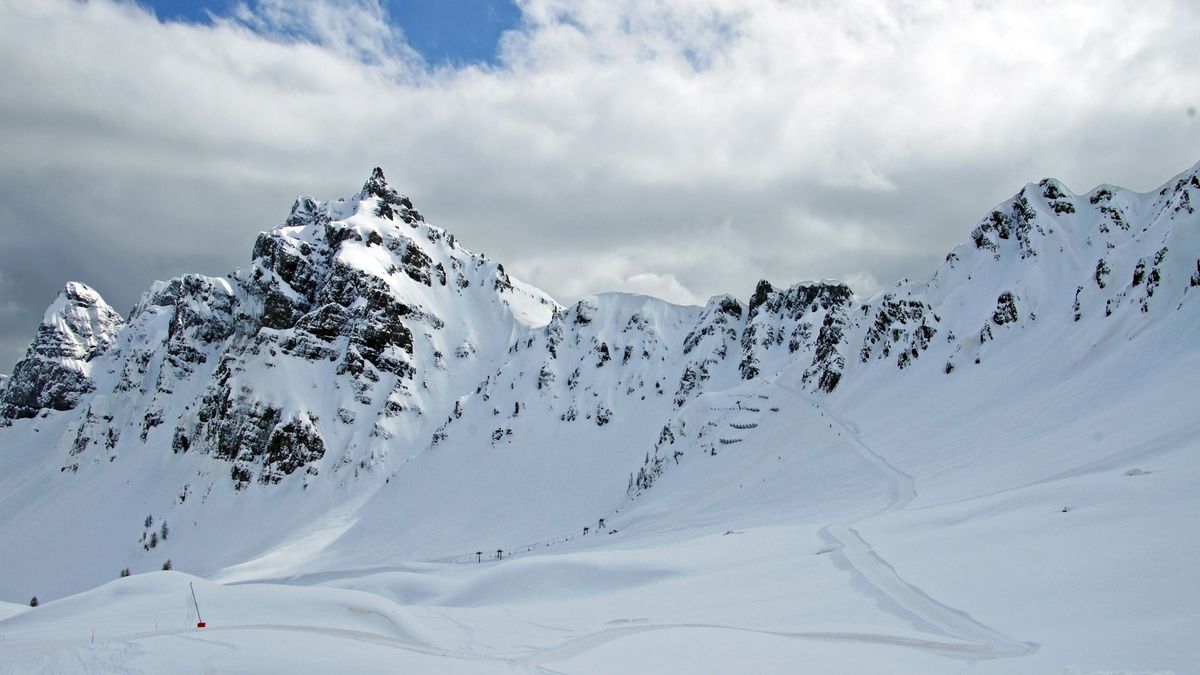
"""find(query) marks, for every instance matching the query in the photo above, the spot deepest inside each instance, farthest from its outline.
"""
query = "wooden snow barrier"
(748, 425)
(729, 441)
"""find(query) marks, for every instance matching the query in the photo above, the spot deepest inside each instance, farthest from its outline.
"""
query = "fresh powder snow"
(373, 450)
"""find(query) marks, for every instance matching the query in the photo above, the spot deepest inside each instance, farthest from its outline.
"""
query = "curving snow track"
(983, 641)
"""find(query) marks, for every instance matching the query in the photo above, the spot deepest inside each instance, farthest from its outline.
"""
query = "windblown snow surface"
(990, 471)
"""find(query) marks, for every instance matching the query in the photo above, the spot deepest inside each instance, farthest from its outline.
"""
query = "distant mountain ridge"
(365, 353)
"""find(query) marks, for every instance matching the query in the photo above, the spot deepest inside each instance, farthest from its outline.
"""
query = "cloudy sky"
(674, 147)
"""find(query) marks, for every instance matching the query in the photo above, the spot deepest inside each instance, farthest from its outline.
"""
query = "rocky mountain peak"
(353, 324)
(391, 204)
(376, 185)
(76, 328)
(761, 292)
(78, 325)
(358, 329)
(362, 354)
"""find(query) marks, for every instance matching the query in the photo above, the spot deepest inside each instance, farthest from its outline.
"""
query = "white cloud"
(664, 286)
(864, 284)
(686, 147)
(353, 29)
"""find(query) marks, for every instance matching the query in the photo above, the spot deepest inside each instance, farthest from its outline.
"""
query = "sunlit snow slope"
(376, 450)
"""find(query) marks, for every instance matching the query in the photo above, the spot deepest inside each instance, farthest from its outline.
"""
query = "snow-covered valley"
(373, 450)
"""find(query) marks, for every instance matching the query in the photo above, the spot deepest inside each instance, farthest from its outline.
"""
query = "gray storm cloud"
(676, 148)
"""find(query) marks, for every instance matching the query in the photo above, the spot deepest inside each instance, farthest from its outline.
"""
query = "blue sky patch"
(442, 31)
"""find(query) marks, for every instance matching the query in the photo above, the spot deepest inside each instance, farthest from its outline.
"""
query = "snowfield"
(993, 470)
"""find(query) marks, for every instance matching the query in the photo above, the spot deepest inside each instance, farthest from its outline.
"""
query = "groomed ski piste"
(1025, 507)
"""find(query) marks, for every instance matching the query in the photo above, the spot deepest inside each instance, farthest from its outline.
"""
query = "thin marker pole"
(199, 620)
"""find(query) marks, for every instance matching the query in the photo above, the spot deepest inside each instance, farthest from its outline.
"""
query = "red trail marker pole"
(199, 620)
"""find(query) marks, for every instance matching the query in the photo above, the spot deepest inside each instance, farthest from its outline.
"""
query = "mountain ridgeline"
(362, 346)
(363, 297)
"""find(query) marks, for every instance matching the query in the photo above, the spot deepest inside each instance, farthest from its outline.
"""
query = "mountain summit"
(56, 371)
(369, 387)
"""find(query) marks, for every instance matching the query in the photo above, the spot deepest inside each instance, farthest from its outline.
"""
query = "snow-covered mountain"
(368, 391)
(56, 371)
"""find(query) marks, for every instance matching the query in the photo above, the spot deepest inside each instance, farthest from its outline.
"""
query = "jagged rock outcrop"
(811, 319)
(358, 330)
(343, 299)
(365, 371)
(55, 374)
(717, 326)
(902, 326)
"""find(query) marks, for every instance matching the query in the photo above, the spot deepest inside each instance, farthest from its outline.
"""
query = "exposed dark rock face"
(55, 373)
(708, 344)
(202, 314)
(1102, 272)
(1006, 309)
(392, 204)
(762, 292)
(902, 326)
(293, 444)
(357, 328)
(723, 314)
(795, 316)
(286, 276)
(337, 297)
(235, 427)
(1015, 222)
(828, 361)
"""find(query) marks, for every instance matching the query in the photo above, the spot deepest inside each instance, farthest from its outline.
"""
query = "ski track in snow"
(536, 660)
(980, 641)
(86, 655)
(964, 650)
(962, 637)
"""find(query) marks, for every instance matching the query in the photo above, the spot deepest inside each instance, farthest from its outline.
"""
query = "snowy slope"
(992, 467)
(288, 390)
